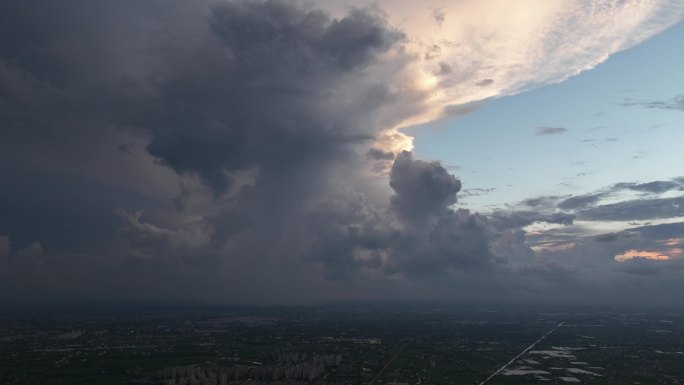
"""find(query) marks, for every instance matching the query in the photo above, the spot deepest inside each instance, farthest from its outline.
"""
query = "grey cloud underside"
(580, 201)
(676, 184)
(635, 210)
(378, 154)
(274, 99)
(649, 205)
(645, 267)
(611, 237)
(419, 235)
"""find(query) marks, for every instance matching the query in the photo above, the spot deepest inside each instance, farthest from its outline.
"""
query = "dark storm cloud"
(265, 111)
(5, 246)
(65, 212)
(125, 148)
(67, 82)
(181, 200)
(423, 190)
(433, 237)
(542, 131)
(418, 236)
(258, 99)
(281, 107)
(62, 74)
(457, 241)
(274, 97)
(150, 240)
(674, 103)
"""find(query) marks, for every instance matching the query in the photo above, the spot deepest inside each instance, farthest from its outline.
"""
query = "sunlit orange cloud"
(673, 241)
(633, 254)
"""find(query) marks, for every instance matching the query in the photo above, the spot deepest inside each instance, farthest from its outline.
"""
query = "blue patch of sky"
(605, 142)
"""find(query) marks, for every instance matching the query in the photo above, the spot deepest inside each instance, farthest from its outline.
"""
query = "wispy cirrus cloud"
(674, 103)
(543, 131)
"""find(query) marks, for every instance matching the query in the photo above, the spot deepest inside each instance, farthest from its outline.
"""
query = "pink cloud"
(633, 254)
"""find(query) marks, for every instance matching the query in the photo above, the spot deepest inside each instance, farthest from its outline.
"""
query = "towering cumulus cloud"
(239, 150)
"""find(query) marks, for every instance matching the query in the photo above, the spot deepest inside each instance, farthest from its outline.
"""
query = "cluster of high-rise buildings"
(316, 359)
(191, 375)
(288, 367)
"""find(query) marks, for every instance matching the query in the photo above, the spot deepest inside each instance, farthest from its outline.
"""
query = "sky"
(296, 152)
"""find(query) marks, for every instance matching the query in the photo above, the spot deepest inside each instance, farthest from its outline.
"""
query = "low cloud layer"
(654, 200)
(647, 229)
(248, 151)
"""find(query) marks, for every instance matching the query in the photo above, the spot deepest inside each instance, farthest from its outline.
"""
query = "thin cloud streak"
(543, 131)
(675, 103)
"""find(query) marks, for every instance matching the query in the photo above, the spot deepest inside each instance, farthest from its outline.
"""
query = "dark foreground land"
(335, 345)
